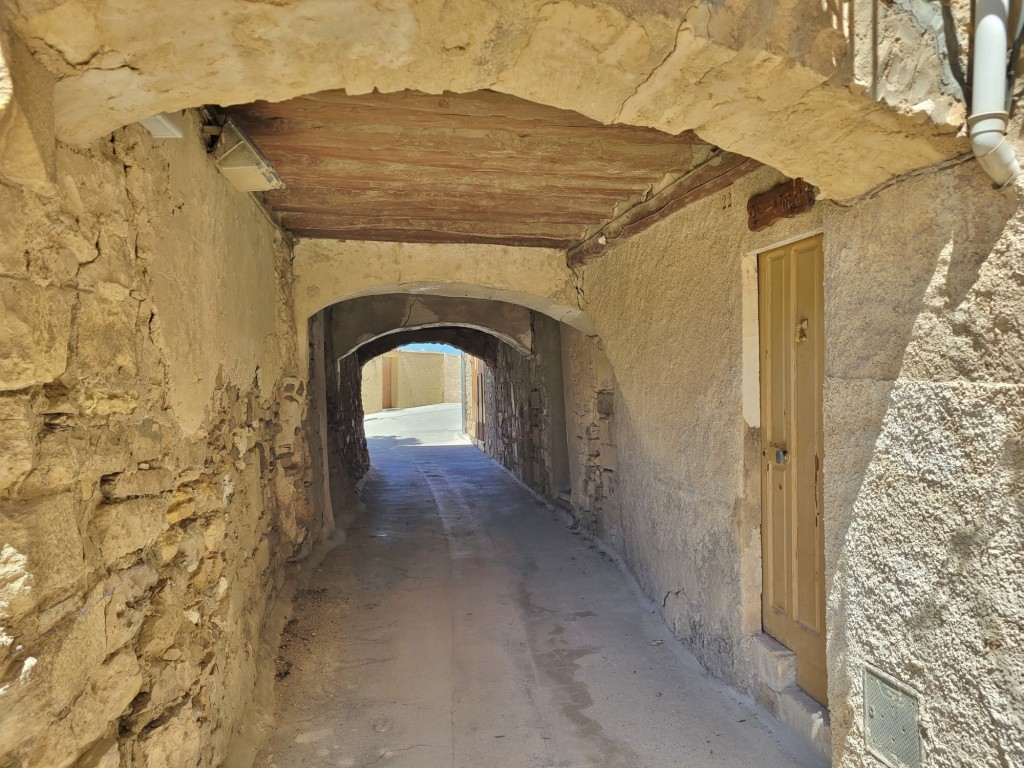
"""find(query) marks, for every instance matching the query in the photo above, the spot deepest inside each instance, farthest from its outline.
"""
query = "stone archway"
(473, 342)
(327, 272)
(358, 321)
(800, 90)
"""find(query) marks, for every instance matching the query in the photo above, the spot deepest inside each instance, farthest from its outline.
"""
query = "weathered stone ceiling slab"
(478, 167)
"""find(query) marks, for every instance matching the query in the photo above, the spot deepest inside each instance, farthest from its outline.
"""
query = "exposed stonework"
(155, 397)
(525, 414)
(348, 459)
(590, 415)
(157, 470)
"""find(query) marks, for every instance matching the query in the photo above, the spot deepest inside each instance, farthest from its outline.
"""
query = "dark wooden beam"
(354, 227)
(709, 177)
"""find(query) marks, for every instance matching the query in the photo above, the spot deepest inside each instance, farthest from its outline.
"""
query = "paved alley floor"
(461, 624)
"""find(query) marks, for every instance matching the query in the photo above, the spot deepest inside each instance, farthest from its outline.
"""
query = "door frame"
(751, 565)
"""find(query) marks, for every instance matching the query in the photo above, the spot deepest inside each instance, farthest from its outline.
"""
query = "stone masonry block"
(41, 554)
(35, 327)
(609, 457)
(142, 482)
(17, 435)
(127, 526)
(776, 664)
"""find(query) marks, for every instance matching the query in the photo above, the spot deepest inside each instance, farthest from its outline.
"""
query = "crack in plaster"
(408, 314)
(656, 68)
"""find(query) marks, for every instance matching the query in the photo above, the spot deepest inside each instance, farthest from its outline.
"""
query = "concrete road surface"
(462, 625)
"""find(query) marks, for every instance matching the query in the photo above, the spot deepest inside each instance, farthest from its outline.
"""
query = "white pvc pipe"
(989, 117)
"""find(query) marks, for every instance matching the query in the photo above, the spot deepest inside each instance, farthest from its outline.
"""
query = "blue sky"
(445, 348)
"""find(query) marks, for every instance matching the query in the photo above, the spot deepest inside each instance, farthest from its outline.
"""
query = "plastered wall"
(922, 467)
(372, 385)
(418, 379)
(924, 424)
(451, 388)
(154, 471)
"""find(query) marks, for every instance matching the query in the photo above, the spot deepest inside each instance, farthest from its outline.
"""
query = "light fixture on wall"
(164, 126)
(242, 162)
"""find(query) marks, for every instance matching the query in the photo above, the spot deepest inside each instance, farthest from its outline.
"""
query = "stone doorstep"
(775, 667)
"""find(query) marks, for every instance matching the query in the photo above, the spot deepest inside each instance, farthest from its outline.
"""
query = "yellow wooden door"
(792, 540)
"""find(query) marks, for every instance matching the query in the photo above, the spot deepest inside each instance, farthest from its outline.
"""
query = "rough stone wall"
(153, 469)
(590, 416)
(315, 428)
(922, 466)
(525, 418)
(348, 457)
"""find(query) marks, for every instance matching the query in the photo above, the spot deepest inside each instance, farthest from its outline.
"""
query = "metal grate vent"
(891, 720)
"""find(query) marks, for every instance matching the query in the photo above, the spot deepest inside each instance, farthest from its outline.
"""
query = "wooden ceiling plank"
(457, 171)
(523, 226)
(588, 156)
(502, 109)
(442, 198)
(478, 167)
(481, 160)
(382, 131)
(527, 189)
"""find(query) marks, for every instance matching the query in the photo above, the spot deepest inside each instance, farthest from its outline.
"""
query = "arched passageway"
(461, 622)
(522, 379)
(167, 453)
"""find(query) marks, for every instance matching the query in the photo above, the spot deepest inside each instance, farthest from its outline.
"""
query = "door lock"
(781, 454)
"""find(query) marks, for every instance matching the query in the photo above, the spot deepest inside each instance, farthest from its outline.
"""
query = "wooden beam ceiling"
(478, 167)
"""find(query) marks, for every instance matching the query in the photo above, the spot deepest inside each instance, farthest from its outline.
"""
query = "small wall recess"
(891, 720)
